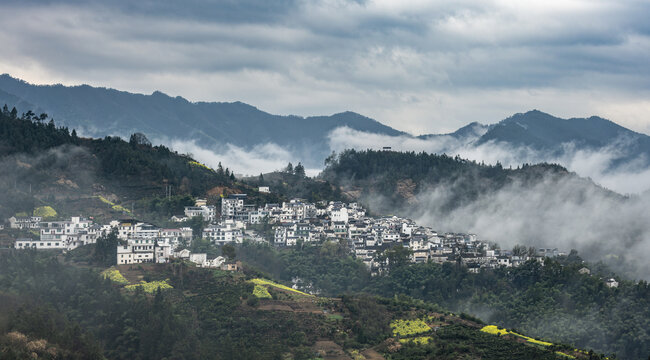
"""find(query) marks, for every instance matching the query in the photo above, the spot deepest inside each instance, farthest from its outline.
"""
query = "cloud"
(565, 214)
(262, 158)
(420, 66)
(632, 177)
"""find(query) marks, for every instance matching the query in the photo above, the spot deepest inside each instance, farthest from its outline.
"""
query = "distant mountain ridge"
(546, 132)
(551, 137)
(102, 111)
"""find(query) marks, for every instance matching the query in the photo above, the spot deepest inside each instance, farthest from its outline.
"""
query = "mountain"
(470, 131)
(535, 136)
(545, 132)
(100, 112)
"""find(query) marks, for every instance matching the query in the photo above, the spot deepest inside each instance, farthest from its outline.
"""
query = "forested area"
(40, 160)
(118, 159)
(551, 300)
(292, 182)
(60, 311)
(398, 176)
(53, 301)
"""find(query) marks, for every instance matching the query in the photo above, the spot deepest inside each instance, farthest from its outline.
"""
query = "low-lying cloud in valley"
(562, 214)
(629, 178)
(262, 158)
(565, 213)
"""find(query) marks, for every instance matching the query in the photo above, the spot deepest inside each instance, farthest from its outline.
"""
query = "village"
(292, 223)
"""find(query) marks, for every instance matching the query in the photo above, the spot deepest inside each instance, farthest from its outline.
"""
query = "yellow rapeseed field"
(150, 287)
(115, 276)
(279, 286)
(409, 327)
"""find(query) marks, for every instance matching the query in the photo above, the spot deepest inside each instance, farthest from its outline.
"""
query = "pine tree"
(299, 170)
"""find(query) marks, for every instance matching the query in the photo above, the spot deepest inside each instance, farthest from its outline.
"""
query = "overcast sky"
(419, 66)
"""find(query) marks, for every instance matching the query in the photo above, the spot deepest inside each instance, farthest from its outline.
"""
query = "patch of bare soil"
(293, 306)
(406, 189)
(372, 354)
(275, 307)
(135, 272)
(330, 350)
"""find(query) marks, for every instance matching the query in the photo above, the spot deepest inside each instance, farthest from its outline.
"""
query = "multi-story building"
(231, 205)
(24, 222)
(223, 234)
(207, 212)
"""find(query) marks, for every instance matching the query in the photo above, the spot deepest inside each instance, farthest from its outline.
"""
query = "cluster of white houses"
(298, 221)
(293, 222)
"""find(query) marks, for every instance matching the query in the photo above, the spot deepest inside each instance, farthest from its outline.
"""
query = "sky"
(418, 66)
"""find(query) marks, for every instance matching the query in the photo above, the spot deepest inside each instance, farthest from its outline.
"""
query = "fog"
(64, 171)
(567, 214)
(632, 177)
(562, 214)
(262, 158)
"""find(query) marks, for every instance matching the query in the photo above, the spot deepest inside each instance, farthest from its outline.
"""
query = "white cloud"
(630, 178)
(563, 214)
(262, 158)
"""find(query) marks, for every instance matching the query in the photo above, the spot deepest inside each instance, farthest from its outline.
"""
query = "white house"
(208, 213)
(199, 259)
(223, 234)
(25, 222)
(231, 205)
(24, 243)
(611, 283)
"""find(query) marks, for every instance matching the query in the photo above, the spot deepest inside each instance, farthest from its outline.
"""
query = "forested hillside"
(59, 310)
(552, 300)
(400, 177)
(45, 164)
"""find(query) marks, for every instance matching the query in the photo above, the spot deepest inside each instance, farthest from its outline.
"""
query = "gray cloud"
(419, 66)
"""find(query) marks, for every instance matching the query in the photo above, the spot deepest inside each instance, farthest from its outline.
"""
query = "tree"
(299, 170)
(398, 256)
(519, 250)
(532, 251)
(106, 248)
(261, 179)
(289, 168)
(139, 139)
(228, 250)
(197, 223)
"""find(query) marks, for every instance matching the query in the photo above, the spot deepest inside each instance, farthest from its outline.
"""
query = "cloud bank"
(420, 66)
(262, 158)
(630, 178)
(565, 215)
